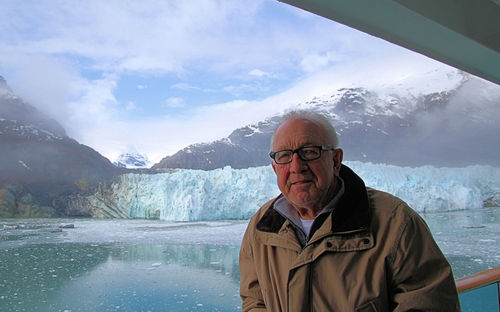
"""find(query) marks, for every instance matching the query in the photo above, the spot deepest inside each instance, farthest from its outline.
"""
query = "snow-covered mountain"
(132, 160)
(443, 118)
(40, 166)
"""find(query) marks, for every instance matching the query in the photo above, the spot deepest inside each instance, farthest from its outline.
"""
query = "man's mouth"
(301, 182)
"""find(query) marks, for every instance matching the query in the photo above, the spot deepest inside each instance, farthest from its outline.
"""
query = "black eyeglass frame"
(299, 150)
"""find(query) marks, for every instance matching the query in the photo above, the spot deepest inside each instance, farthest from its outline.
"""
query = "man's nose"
(297, 164)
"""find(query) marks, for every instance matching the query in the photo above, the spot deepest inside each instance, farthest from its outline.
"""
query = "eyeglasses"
(306, 153)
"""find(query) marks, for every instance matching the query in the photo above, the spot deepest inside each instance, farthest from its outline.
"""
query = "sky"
(157, 76)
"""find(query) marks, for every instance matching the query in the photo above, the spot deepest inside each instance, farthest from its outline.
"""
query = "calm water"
(137, 265)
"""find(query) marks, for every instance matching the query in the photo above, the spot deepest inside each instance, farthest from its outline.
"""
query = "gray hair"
(314, 117)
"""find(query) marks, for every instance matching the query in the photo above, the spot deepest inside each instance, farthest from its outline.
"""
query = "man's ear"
(338, 155)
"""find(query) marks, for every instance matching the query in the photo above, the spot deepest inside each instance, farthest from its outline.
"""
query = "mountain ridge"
(385, 124)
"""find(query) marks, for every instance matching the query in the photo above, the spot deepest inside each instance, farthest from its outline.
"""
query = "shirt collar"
(285, 208)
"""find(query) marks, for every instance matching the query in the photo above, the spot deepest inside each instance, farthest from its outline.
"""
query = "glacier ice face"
(188, 195)
(192, 195)
(431, 189)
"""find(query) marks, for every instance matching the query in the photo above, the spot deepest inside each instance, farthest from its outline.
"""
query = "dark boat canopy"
(462, 33)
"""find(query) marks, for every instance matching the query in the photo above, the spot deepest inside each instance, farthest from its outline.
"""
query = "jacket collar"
(351, 213)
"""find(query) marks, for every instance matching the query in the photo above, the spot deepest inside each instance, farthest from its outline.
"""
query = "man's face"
(306, 184)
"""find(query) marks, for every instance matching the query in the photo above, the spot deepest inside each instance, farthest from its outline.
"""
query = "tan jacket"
(372, 253)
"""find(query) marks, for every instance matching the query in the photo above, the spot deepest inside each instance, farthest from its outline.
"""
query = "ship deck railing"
(480, 291)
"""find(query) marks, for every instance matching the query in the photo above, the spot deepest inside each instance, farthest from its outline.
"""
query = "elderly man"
(329, 243)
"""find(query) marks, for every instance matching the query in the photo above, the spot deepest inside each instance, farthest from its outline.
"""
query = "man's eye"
(281, 156)
(309, 152)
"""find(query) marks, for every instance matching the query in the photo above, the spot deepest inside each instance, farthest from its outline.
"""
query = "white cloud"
(184, 86)
(130, 106)
(145, 36)
(258, 73)
(175, 102)
(236, 89)
(316, 62)
(94, 105)
(159, 37)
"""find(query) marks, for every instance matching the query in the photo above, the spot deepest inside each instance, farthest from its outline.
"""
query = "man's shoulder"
(262, 210)
(384, 204)
(381, 196)
(251, 229)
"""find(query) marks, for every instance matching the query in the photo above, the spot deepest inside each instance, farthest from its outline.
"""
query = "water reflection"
(83, 277)
(144, 265)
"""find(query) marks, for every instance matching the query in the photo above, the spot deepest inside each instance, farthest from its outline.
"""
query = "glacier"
(226, 193)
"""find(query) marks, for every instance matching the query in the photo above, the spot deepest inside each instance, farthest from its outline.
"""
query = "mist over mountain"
(13, 108)
(40, 166)
(446, 118)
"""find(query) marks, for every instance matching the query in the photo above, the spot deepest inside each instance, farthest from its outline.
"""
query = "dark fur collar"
(351, 213)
